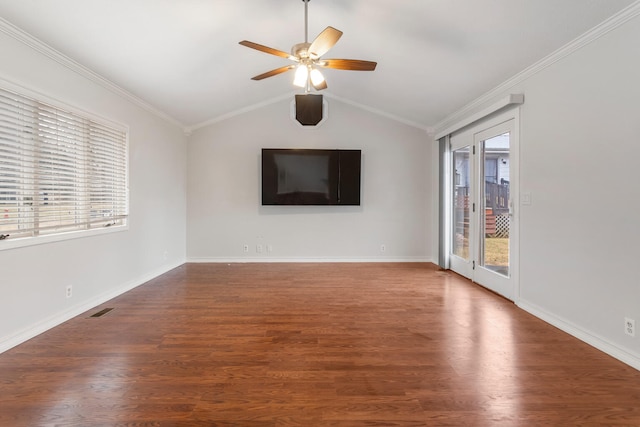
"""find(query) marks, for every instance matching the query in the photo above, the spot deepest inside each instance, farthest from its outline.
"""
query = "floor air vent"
(101, 312)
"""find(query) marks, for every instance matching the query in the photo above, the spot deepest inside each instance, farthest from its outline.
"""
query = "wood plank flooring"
(276, 345)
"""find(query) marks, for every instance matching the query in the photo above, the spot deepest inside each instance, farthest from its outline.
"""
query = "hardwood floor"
(275, 345)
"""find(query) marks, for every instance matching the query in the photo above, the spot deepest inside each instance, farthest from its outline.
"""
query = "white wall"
(225, 212)
(580, 145)
(33, 279)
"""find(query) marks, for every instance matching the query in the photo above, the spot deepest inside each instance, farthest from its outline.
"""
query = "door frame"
(511, 290)
(503, 285)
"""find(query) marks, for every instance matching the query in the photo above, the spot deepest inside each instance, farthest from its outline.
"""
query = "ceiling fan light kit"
(308, 57)
(302, 76)
(316, 77)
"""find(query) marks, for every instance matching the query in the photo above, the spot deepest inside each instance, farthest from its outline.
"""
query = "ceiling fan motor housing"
(301, 50)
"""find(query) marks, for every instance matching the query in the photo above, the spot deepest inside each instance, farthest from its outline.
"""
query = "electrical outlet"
(269, 248)
(69, 291)
(259, 249)
(630, 327)
(245, 248)
(383, 248)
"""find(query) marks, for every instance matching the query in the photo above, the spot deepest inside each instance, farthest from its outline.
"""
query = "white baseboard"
(594, 340)
(222, 260)
(52, 321)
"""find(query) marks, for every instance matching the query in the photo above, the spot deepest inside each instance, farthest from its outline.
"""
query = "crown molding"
(587, 38)
(226, 116)
(46, 50)
(382, 113)
(189, 129)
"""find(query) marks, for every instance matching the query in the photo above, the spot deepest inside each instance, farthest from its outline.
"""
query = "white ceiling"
(183, 58)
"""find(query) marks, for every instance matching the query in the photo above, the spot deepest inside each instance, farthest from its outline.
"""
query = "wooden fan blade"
(348, 64)
(266, 49)
(273, 72)
(325, 41)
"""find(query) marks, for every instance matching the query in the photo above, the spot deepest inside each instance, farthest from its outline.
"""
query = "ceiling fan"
(308, 57)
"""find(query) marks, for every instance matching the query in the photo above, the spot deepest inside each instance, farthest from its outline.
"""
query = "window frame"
(61, 235)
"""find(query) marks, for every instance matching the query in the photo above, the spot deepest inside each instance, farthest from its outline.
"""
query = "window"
(59, 172)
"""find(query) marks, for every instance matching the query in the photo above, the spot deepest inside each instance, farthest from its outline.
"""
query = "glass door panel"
(495, 195)
(496, 228)
(461, 211)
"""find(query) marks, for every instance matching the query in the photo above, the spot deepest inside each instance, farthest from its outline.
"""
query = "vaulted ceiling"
(182, 57)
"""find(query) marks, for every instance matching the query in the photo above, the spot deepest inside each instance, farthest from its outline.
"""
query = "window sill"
(50, 238)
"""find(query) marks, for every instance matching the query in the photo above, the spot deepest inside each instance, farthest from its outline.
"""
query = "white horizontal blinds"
(58, 171)
(17, 151)
(107, 185)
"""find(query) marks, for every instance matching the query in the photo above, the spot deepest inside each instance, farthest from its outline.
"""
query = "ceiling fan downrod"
(306, 21)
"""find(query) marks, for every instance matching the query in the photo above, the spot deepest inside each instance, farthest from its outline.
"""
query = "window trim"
(12, 243)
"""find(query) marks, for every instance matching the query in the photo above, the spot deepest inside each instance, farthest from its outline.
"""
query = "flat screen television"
(310, 177)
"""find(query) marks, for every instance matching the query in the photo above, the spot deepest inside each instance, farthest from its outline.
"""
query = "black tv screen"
(310, 177)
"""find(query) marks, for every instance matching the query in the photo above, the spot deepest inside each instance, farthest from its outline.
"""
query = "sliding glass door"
(483, 227)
